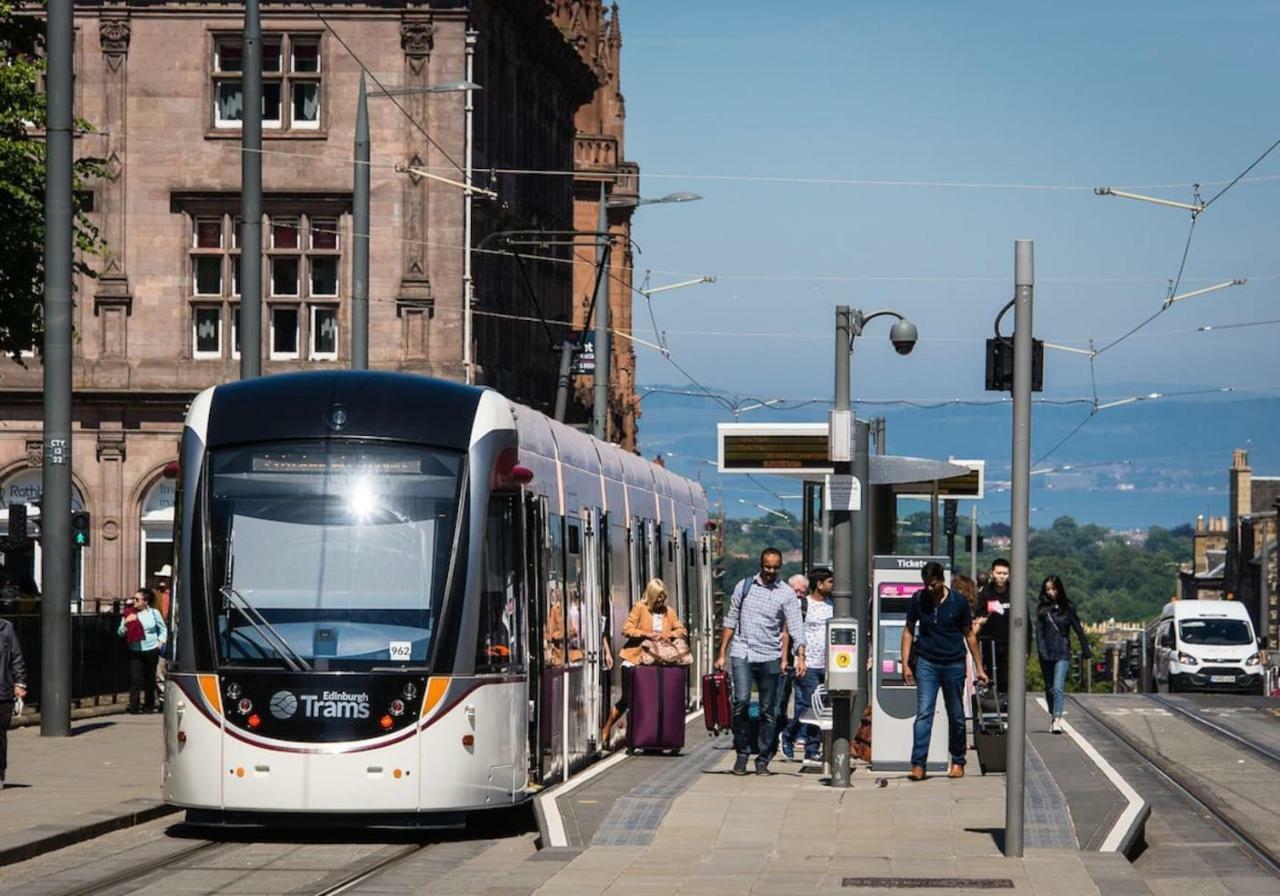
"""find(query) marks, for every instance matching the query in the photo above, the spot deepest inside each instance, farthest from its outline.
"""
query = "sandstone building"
(161, 83)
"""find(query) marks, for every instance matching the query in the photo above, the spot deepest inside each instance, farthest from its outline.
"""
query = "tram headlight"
(396, 708)
(233, 692)
(1187, 659)
(410, 691)
(245, 706)
(1254, 660)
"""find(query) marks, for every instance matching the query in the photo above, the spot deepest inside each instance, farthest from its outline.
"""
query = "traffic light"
(17, 524)
(1103, 665)
(80, 528)
(949, 516)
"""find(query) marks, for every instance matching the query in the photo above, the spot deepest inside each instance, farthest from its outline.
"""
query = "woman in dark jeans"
(144, 631)
(1055, 620)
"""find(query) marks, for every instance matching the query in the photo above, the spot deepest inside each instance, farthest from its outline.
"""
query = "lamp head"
(903, 336)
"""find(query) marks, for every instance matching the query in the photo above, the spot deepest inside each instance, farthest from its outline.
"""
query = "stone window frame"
(284, 76)
(318, 234)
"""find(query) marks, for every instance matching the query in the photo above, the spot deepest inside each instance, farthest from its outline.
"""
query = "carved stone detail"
(417, 38)
(35, 453)
(111, 445)
(114, 33)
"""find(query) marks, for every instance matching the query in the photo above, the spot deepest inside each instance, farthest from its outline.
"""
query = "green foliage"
(1105, 577)
(22, 178)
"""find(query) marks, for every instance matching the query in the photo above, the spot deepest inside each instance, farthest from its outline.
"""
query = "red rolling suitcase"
(717, 711)
(657, 708)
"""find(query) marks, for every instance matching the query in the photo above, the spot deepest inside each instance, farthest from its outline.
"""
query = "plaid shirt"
(756, 619)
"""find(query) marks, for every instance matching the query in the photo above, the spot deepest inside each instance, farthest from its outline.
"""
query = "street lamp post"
(849, 444)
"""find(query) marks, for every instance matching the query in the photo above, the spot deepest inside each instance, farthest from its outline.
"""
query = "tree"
(22, 154)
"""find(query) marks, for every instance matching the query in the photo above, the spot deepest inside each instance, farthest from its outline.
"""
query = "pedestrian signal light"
(80, 525)
(17, 523)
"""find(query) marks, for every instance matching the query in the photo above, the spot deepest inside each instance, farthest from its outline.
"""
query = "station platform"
(658, 825)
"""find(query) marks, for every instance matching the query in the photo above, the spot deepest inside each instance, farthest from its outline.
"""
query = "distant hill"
(1148, 463)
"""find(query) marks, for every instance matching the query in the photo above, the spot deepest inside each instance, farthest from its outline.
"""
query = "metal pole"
(973, 542)
(1015, 756)
(1144, 668)
(562, 384)
(468, 283)
(360, 238)
(600, 393)
(842, 557)
(861, 565)
(251, 197)
(933, 520)
(55, 506)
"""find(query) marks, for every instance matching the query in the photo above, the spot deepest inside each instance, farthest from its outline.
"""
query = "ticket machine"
(893, 702)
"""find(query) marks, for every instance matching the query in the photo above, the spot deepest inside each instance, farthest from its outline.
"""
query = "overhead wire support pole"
(1016, 748)
(360, 237)
(600, 391)
(251, 197)
(55, 508)
(468, 278)
(842, 547)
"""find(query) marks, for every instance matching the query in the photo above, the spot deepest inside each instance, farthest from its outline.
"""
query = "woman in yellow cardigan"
(649, 620)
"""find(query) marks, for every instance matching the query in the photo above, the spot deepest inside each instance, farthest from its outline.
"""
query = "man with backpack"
(761, 612)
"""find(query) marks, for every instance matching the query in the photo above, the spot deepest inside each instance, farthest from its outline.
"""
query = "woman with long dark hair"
(1055, 620)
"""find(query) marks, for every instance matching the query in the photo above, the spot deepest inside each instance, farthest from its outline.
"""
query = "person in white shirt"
(816, 610)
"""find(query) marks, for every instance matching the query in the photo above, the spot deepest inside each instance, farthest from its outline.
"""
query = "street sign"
(843, 493)
(584, 357)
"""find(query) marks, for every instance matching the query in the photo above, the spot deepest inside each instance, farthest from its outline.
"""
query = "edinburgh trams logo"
(336, 705)
(283, 705)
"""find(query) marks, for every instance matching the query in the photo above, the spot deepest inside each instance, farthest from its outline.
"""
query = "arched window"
(23, 567)
(156, 543)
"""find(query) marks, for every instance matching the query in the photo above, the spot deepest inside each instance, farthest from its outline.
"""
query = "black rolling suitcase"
(990, 720)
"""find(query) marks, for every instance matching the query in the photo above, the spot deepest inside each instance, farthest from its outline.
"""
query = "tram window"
(498, 634)
(575, 540)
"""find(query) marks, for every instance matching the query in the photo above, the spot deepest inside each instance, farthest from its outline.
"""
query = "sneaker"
(1055, 726)
(740, 766)
(788, 752)
(812, 762)
(762, 768)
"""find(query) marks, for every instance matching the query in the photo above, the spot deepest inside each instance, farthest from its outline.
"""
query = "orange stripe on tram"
(209, 688)
(436, 689)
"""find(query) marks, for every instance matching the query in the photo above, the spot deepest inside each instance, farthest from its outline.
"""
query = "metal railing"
(99, 658)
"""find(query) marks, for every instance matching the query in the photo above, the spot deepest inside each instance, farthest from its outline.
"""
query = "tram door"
(639, 572)
(593, 602)
(706, 631)
(577, 729)
(652, 551)
(688, 576)
(546, 653)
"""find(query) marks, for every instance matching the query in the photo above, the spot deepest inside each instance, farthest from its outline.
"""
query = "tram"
(397, 598)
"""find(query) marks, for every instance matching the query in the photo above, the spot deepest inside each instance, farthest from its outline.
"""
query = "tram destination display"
(790, 448)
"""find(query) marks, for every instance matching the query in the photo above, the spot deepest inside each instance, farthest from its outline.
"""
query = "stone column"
(111, 570)
(414, 301)
(113, 301)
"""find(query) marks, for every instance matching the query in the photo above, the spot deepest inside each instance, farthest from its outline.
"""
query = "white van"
(1207, 645)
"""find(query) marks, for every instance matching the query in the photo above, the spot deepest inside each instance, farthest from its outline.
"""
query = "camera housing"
(903, 336)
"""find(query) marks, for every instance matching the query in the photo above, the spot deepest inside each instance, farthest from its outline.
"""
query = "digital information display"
(790, 448)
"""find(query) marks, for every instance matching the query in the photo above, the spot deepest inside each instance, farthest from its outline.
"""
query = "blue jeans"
(930, 678)
(804, 688)
(765, 677)
(1055, 685)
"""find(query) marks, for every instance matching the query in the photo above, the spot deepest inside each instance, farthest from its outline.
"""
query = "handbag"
(663, 653)
(133, 632)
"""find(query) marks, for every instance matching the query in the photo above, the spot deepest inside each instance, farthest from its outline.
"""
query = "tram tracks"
(135, 874)
(1219, 731)
(1192, 787)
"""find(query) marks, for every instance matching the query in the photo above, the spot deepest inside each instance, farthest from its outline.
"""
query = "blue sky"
(1077, 95)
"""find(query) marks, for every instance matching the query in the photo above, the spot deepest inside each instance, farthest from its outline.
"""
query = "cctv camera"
(903, 336)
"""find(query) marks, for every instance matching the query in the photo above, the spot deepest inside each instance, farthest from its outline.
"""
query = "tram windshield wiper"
(266, 630)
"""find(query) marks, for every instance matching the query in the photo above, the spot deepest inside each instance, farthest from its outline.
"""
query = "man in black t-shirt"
(991, 623)
(945, 631)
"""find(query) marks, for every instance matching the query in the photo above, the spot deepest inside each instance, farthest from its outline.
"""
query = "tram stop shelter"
(800, 451)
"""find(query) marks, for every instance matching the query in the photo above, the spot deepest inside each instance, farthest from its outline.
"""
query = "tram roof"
(344, 403)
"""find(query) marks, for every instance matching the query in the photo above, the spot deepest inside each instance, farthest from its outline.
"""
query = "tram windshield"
(329, 555)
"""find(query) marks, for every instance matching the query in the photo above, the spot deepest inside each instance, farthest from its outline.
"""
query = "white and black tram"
(394, 594)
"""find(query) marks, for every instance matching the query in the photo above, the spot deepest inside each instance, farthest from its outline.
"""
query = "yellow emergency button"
(843, 660)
